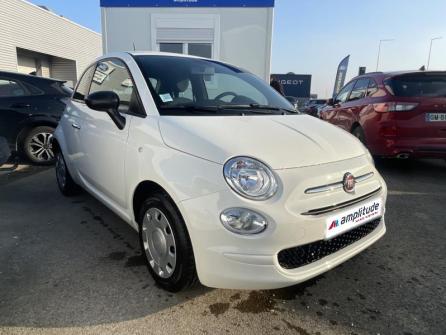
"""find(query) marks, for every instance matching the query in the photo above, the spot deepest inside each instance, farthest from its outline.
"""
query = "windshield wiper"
(251, 108)
(257, 108)
(191, 108)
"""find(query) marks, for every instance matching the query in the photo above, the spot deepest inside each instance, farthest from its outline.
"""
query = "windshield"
(182, 85)
(418, 85)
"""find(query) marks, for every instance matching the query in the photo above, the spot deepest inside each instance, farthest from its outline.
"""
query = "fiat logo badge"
(349, 183)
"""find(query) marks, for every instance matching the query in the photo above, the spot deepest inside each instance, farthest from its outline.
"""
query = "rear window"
(418, 85)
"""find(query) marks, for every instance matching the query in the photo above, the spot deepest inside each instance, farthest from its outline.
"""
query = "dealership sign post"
(187, 3)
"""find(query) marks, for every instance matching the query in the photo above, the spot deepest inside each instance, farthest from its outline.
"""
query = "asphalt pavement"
(70, 266)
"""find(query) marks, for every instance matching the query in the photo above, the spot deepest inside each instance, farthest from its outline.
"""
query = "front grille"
(306, 254)
(332, 208)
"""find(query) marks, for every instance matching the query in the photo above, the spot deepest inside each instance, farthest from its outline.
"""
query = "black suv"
(30, 109)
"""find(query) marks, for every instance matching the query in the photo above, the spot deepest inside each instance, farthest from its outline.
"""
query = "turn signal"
(243, 221)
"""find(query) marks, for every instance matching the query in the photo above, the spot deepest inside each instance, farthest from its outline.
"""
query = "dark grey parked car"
(30, 109)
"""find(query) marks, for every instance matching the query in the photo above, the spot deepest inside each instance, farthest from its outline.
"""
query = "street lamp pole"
(379, 50)
(430, 50)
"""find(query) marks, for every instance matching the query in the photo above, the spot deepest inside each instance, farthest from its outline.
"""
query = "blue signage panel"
(187, 3)
(295, 85)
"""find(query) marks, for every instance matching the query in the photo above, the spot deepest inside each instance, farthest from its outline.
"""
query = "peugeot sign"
(295, 85)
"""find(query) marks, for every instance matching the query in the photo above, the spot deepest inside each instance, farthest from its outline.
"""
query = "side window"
(84, 84)
(11, 88)
(112, 75)
(373, 88)
(359, 90)
(343, 95)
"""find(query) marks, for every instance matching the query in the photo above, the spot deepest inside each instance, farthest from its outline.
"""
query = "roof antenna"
(134, 48)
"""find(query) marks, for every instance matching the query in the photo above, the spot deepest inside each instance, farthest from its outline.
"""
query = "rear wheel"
(37, 146)
(166, 245)
(358, 132)
(66, 184)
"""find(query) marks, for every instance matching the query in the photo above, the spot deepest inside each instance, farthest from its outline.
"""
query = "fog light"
(243, 221)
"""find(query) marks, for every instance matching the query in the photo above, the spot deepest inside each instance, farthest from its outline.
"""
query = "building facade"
(234, 31)
(35, 40)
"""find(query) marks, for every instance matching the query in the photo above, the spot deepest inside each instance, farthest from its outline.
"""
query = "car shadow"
(71, 261)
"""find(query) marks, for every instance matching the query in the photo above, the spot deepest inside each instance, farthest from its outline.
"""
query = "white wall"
(24, 25)
(245, 38)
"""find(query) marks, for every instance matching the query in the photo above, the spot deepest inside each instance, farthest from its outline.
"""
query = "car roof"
(23, 76)
(388, 74)
(157, 53)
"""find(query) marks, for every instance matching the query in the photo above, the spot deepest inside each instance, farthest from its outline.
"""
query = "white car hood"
(282, 142)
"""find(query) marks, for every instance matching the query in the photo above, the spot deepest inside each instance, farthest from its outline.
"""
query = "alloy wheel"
(40, 147)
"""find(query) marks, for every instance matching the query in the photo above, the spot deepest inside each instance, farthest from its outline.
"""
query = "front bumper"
(228, 260)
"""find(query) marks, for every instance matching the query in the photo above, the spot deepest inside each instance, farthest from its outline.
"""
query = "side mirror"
(106, 101)
(330, 102)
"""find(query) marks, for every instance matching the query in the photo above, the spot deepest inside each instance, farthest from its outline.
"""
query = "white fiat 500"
(225, 183)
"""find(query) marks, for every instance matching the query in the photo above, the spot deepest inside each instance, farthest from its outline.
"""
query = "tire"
(66, 184)
(37, 146)
(358, 132)
(165, 244)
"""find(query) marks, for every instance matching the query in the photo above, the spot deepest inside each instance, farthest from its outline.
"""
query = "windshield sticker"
(166, 97)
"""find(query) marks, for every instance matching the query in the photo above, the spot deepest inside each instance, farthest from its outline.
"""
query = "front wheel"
(64, 180)
(166, 245)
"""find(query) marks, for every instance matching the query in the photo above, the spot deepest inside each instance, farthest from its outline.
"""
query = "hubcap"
(61, 172)
(40, 147)
(159, 243)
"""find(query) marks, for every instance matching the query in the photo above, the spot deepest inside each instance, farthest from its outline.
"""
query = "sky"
(312, 36)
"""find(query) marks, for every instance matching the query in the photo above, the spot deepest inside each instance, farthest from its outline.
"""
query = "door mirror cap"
(103, 101)
(106, 101)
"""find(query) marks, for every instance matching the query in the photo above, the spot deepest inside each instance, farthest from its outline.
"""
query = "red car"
(397, 114)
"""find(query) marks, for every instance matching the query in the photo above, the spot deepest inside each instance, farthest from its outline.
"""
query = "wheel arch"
(355, 125)
(145, 189)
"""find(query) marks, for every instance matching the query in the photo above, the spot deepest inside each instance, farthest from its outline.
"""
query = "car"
(314, 106)
(30, 109)
(5, 152)
(224, 182)
(396, 114)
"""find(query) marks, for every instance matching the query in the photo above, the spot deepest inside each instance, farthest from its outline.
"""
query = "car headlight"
(250, 178)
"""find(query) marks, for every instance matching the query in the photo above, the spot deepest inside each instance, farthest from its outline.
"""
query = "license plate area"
(435, 117)
(353, 217)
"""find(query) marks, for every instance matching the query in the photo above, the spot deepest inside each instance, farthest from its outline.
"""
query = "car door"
(333, 114)
(71, 122)
(14, 108)
(103, 144)
(349, 113)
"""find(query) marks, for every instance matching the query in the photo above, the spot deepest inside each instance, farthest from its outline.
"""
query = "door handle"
(76, 126)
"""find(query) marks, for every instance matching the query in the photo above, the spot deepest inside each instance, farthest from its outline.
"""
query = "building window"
(200, 49)
(193, 49)
(189, 34)
(176, 48)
